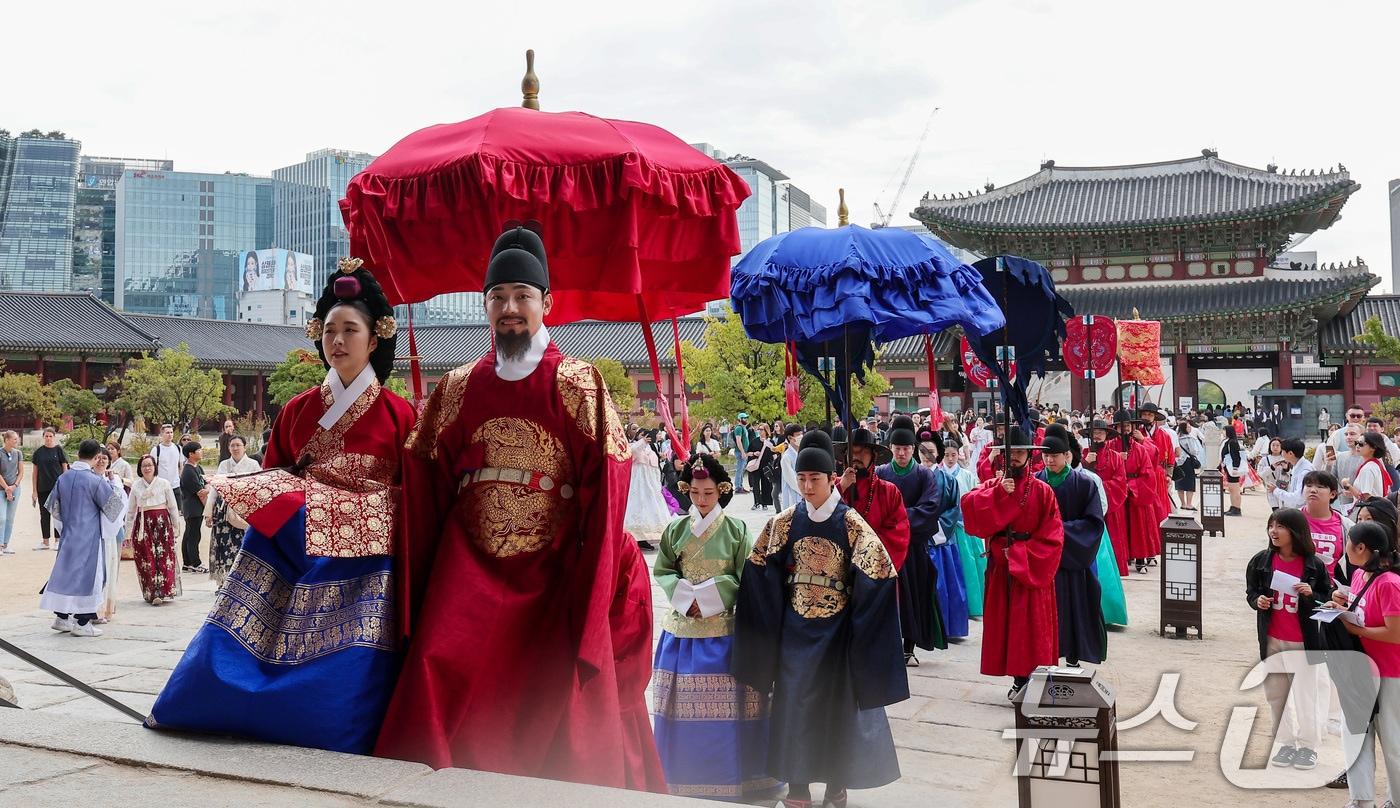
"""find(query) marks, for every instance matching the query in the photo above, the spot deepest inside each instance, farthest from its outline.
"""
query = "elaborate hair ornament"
(386, 327)
(314, 328)
(349, 265)
(347, 288)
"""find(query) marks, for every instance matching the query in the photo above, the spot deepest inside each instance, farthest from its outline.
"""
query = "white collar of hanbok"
(824, 512)
(513, 370)
(699, 524)
(343, 397)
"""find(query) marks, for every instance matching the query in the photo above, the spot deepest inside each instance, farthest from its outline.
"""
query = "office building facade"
(179, 236)
(38, 184)
(95, 221)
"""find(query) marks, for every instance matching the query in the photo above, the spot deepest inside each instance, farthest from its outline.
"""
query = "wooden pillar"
(1283, 377)
(1081, 393)
(39, 367)
(1348, 383)
(83, 371)
(258, 394)
(228, 389)
(1183, 377)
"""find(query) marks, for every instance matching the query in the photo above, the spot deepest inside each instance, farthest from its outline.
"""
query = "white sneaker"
(89, 630)
(7, 551)
(63, 624)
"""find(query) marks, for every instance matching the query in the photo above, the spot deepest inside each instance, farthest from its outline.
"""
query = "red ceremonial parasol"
(638, 225)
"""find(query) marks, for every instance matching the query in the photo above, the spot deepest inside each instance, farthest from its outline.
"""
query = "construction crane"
(882, 219)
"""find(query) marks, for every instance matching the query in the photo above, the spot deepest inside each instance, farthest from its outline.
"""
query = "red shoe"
(837, 800)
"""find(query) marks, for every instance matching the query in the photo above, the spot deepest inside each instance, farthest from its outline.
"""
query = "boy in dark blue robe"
(1083, 637)
(817, 625)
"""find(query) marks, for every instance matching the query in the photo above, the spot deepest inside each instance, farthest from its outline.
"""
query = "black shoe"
(1015, 688)
(1285, 756)
(646, 545)
(1305, 759)
(1234, 512)
(1340, 781)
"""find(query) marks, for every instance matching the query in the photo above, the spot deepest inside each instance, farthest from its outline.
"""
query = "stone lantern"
(1066, 741)
(1181, 575)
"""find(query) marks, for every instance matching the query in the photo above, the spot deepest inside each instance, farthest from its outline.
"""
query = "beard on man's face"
(512, 345)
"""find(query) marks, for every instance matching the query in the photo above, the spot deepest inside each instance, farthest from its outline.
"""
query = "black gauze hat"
(1054, 444)
(902, 431)
(518, 257)
(1061, 434)
(868, 439)
(815, 453)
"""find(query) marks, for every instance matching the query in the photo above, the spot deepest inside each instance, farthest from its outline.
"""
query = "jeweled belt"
(533, 479)
(816, 580)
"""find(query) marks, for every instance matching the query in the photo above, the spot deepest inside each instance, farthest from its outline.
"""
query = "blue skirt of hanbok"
(952, 587)
(297, 649)
(711, 731)
(1115, 604)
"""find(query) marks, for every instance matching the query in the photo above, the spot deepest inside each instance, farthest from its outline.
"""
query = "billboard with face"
(275, 270)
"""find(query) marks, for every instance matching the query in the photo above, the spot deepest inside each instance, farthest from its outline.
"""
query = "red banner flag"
(1091, 346)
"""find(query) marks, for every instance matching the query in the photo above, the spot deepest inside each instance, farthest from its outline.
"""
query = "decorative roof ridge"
(121, 317)
(1209, 161)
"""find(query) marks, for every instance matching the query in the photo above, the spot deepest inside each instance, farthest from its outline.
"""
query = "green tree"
(615, 377)
(299, 372)
(75, 402)
(24, 394)
(734, 373)
(737, 374)
(398, 387)
(1387, 348)
(169, 389)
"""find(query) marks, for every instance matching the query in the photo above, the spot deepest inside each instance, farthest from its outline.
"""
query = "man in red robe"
(878, 501)
(1108, 464)
(530, 645)
(1140, 468)
(1021, 518)
(1164, 452)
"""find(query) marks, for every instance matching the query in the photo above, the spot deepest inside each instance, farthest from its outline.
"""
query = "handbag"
(752, 465)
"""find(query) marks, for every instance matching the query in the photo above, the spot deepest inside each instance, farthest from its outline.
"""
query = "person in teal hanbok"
(711, 731)
(970, 548)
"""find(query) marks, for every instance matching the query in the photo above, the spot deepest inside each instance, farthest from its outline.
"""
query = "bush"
(80, 433)
(139, 447)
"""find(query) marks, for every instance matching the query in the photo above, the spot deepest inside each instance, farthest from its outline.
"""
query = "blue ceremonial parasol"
(834, 292)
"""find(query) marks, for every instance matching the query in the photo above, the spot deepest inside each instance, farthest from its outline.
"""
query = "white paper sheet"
(940, 538)
(1283, 582)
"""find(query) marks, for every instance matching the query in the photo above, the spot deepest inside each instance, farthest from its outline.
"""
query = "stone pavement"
(65, 746)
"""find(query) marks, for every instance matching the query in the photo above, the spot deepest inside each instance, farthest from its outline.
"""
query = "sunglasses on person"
(1355, 416)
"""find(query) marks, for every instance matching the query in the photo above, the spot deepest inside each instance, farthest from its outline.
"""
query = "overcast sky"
(833, 94)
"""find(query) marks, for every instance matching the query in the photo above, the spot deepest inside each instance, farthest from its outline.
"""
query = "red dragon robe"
(1109, 465)
(1020, 619)
(530, 649)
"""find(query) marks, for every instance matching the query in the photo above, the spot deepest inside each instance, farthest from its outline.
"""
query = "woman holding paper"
(1371, 548)
(711, 731)
(1284, 583)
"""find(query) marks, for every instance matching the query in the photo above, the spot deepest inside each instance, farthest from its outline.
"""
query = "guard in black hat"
(932, 592)
(817, 621)
(1078, 595)
(1139, 466)
(1107, 462)
(1017, 515)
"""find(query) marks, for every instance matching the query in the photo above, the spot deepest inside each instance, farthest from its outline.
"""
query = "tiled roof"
(1197, 189)
(1338, 336)
(225, 344)
(67, 321)
(1213, 299)
(443, 347)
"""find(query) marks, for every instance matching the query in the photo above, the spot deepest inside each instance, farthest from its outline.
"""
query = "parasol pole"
(843, 219)
(1005, 367)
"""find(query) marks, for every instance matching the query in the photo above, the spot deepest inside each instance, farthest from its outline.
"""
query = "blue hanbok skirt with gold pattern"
(297, 649)
(711, 731)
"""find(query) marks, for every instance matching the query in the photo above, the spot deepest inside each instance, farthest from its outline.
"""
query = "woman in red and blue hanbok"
(300, 646)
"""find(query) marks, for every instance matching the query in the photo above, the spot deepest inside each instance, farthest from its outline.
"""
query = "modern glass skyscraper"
(178, 237)
(307, 201)
(95, 221)
(38, 183)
